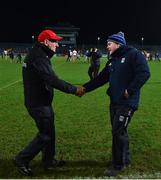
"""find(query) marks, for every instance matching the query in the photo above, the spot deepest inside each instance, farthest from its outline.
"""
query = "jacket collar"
(120, 51)
(48, 52)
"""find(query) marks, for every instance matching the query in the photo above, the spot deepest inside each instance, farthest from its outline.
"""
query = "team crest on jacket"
(122, 60)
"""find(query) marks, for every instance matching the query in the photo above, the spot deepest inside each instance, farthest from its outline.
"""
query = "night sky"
(140, 18)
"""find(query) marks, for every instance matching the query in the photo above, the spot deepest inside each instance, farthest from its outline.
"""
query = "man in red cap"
(39, 79)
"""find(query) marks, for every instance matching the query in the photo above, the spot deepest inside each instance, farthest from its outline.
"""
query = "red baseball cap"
(48, 34)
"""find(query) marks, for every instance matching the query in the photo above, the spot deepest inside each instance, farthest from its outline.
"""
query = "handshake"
(80, 91)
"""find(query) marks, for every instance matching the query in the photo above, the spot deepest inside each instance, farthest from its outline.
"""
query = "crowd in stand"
(13, 54)
(16, 54)
(152, 56)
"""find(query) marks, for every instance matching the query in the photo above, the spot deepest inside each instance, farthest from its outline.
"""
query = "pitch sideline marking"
(13, 83)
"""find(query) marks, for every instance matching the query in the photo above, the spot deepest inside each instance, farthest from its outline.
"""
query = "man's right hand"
(80, 91)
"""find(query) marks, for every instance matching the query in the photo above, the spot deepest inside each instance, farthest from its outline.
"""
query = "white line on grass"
(11, 84)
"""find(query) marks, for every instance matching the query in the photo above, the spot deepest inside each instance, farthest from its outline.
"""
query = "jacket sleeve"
(46, 73)
(99, 81)
(141, 73)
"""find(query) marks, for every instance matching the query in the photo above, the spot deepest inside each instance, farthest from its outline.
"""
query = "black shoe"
(55, 163)
(22, 168)
(112, 171)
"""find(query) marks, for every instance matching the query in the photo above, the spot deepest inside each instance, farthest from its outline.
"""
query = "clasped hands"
(80, 91)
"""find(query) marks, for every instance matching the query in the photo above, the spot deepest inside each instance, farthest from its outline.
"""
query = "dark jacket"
(39, 79)
(127, 69)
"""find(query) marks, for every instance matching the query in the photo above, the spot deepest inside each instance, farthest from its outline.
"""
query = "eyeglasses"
(52, 40)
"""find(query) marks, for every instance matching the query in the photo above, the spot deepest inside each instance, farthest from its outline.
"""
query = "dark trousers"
(44, 141)
(120, 118)
(93, 71)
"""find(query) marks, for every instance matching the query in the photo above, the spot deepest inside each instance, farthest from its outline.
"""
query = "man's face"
(51, 44)
(112, 46)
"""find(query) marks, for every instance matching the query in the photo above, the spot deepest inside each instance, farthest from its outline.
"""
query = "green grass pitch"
(83, 130)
